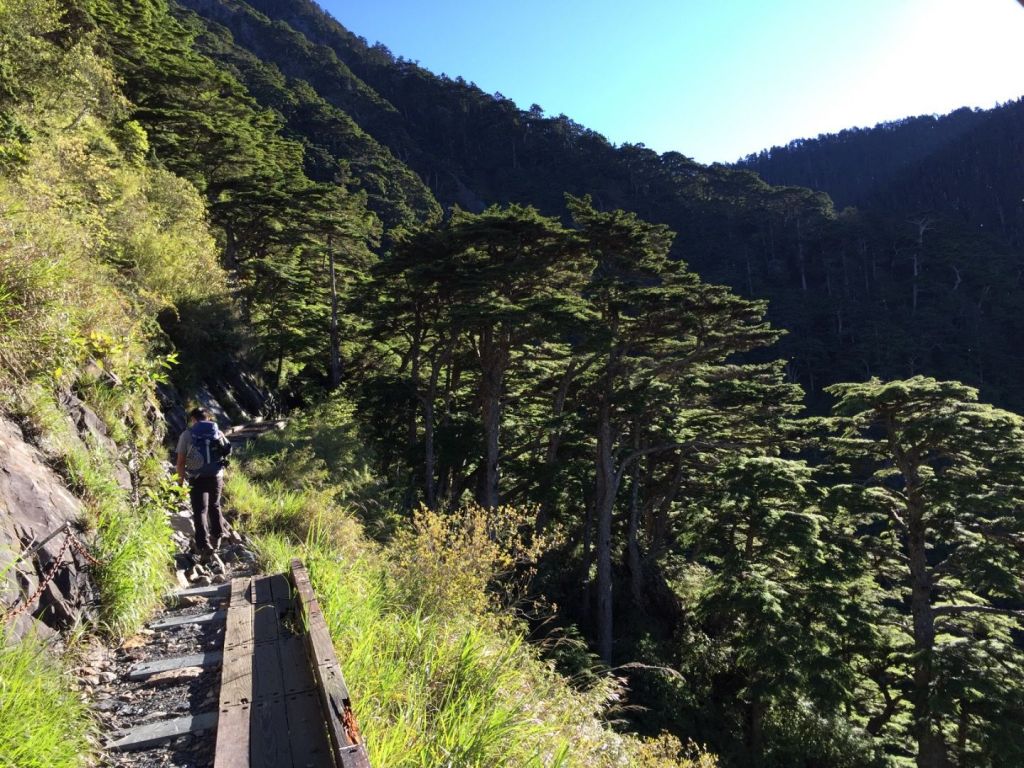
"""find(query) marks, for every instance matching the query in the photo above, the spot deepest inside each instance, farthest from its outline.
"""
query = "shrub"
(463, 561)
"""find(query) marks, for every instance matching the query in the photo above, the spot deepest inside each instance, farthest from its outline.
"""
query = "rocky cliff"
(34, 503)
(47, 588)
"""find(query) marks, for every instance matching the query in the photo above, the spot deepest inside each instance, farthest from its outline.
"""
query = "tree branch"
(957, 610)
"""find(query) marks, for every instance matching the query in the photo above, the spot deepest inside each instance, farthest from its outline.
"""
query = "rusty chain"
(70, 540)
(80, 549)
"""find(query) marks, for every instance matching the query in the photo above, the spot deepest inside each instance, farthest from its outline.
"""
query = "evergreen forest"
(740, 444)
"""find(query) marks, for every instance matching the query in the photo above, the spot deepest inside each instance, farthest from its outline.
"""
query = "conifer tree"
(659, 337)
(777, 600)
(484, 289)
(940, 508)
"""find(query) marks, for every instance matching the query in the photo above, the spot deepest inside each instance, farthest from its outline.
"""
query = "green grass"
(43, 723)
(271, 507)
(435, 684)
(135, 549)
(440, 689)
(133, 542)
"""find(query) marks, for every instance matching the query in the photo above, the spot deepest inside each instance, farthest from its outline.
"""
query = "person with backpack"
(202, 455)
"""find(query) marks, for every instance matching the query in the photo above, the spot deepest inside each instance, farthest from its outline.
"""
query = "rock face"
(174, 411)
(213, 406)
(51, 584)
(91, 432)
(33, 504)
(237, 399)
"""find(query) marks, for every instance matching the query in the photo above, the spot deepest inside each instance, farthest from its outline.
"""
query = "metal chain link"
(80, 549)
(70, 540)
(13, 612)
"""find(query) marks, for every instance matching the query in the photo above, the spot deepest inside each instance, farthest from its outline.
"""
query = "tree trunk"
(430, 397)
(755, 730)
(877, 723)
(633, 559)
(585, 558)
(801, 257)
(335, 375)
(554, 440)
(931, 745)
(493, 360)
(429, 488)
(603, 505)
(411, 432)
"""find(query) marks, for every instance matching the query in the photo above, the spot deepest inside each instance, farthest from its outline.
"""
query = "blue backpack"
(209, 451)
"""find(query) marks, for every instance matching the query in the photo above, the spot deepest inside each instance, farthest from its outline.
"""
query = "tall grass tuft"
(43, 723)
(132, 541)
(134, 547)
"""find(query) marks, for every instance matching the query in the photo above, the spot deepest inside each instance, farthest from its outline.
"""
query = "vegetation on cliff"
(436, 662)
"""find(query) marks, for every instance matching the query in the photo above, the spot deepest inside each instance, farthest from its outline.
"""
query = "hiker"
(202, 455)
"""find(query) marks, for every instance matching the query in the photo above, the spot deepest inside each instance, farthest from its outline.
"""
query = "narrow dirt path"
(121, 702)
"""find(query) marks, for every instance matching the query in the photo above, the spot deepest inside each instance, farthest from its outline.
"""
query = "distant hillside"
(965, 165)
(860, 294)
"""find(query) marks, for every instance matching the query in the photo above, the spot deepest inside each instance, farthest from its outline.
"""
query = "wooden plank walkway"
(283, 702)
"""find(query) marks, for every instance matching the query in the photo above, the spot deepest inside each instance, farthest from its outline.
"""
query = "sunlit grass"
(434, 684)
(135, 551)
(439, 678)
(439, 690)
(43, 722)
(133, 542)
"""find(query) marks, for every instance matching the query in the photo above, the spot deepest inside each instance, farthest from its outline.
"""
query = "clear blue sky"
(713, 79)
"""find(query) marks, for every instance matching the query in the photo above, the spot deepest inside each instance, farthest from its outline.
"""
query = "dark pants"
(204, 493)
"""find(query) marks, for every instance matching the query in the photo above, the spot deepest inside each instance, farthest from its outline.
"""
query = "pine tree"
(659, 340)
(488, 285)
(940, 509)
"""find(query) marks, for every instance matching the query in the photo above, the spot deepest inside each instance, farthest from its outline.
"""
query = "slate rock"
(33, 504)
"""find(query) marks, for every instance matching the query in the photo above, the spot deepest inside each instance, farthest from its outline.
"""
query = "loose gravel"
(121, 704)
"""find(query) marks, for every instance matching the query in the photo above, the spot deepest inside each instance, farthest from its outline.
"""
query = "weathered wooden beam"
(161, 732)
(235, 705)
(353, 756)
(334, 696)
(149, 668)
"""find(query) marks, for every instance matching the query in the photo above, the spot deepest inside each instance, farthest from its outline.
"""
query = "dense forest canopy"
(728, 415)
(961, 166)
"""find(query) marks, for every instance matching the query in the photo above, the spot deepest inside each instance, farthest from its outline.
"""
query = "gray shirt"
(184, 443)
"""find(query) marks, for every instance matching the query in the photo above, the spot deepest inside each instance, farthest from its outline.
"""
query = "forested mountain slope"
(164, 239)
(964, 166)
(882, 291)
